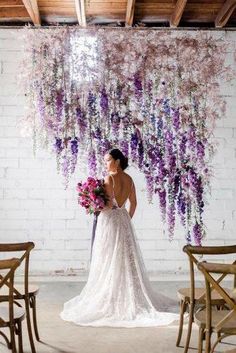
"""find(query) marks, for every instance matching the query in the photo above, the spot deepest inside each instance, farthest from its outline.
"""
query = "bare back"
(121, 187)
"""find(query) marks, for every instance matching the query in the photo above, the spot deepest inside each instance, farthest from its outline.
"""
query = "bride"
(118, 292)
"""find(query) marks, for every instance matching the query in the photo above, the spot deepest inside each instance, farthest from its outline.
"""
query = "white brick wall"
(34, 206)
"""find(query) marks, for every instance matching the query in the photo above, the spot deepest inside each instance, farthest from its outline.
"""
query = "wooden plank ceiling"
(159, 13)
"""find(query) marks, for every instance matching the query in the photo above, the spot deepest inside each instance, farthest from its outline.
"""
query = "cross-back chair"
(10, 316)
(192, 298)
(24, 292)
(222, 322)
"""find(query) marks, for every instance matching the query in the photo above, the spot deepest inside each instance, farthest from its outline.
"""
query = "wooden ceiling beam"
(130, 13)
(13, 13)
(80, 11)
(11, 3)
(225, 12)
(177, 13)
(33, 11)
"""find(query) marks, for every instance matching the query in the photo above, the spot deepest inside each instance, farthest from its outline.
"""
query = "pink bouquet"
(92, 195)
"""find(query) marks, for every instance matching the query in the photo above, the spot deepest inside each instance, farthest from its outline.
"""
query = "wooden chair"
(222, 322)
(24, 292)
(10, 316)
(191, 298)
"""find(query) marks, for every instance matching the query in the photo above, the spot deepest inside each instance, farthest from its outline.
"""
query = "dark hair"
(117, 154)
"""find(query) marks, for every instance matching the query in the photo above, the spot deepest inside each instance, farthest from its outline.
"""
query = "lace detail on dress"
(118, 292)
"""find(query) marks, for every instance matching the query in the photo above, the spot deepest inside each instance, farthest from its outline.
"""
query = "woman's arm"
(133, 202)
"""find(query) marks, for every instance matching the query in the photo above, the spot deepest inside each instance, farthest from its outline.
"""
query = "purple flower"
(41, 107)
(171, 219)
(160, 190)
(92, 163)
(58, 145)
(115, 123)
(124, 146)
(59, 104)
(181, 206)
(160, 125)
(97, 135)
(182, 148)
(65, 166)
(200, 152)
(104, 146)
(140, 154)
(134, 145)
(92, 104)
(74, 146)
(188, 237)
(81, 121)
(191, 137)
(197, 234)
(138, 89)
(166, 106)
(104, 101)
(150, 185)
(176, 120)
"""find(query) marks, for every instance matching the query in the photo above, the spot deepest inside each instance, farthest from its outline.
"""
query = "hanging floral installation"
(153, 94)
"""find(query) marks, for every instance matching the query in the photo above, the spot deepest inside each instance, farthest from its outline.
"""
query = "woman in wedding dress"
(118, 292)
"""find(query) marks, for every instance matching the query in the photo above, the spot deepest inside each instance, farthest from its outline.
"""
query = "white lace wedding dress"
(118, 292)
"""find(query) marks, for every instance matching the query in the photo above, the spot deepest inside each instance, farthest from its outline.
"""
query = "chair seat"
(19, 313)
(33, 290)
(216, 299)
(217, 316)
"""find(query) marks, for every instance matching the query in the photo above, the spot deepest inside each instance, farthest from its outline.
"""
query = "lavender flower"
(59, 104)
(92, 104)
(200, 152)
(81, 120)
(176, 120)
(92, 163)
(140, 154)
(181, 207)
(104, 101)
(134, 145)
(58, 145)
(105, 146)
(124, 146)
(182, 148)
(65, 167)
(171, 220)
(115, 123)
(138, 89)
(197, 234)
(74, 146)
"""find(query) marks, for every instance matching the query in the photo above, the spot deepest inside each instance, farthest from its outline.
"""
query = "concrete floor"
(59, 336)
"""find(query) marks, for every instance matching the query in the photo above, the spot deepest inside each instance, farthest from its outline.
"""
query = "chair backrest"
(25, 249)
(8, 277)
(211, 268)
(191, 251)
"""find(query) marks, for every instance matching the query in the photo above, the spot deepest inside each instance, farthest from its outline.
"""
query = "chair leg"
(13, 342)
(29, 328)
(200, 339)
(208, 341)
(33, 306)
(190, 323)
(19, 333)
(181, 321)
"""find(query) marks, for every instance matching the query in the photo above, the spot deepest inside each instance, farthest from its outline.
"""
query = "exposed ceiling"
(168, 13)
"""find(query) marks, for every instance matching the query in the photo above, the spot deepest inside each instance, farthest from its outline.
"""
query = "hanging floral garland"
(154, 94)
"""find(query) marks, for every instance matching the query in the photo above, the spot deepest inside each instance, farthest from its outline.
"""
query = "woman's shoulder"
(128, 177)
(107, 178)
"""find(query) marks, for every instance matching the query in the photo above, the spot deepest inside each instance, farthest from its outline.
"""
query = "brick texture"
(34, 206)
